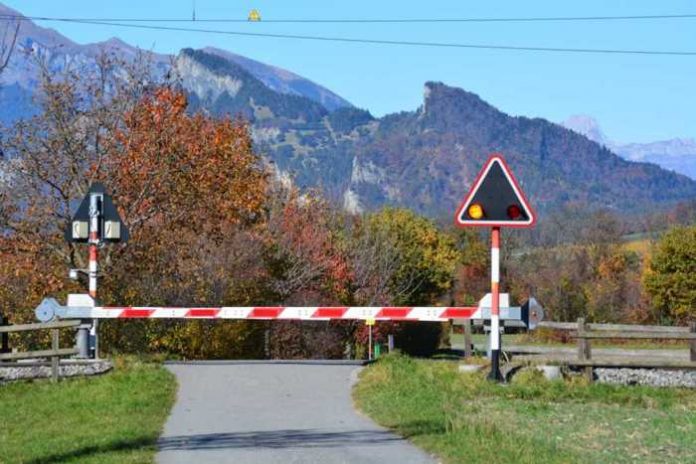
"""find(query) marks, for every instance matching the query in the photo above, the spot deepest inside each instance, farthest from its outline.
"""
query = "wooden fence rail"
(626, 327)
(54, 353)
(586, 332)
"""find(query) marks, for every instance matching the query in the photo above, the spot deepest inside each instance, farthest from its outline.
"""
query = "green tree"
(397, 258)
(421, 258)
(670, 277)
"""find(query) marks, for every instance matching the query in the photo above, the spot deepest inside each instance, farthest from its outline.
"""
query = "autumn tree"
(186, 185)
(670, 277)
(49, 161)
(304, 254)
(306, 266)
(399, 258)
(54, 156)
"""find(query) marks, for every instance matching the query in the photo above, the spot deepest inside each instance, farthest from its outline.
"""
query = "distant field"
(114, 418)
(463, 418)
(640, 246)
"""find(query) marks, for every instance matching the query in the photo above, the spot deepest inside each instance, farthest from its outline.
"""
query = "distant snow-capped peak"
(678, 154)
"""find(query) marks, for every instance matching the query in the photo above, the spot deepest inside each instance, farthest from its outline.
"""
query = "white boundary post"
(495, 374)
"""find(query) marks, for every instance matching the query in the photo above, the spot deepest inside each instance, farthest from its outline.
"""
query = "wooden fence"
(54, 353)
(584, 333)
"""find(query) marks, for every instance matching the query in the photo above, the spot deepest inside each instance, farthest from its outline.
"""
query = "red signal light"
(514, 212)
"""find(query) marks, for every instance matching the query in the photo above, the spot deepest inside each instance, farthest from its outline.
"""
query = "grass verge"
(464, 418)
(114, 418)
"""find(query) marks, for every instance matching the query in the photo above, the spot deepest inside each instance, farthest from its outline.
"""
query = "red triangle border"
(495, 157)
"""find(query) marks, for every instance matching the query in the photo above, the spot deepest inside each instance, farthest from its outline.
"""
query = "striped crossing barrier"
(82, 307)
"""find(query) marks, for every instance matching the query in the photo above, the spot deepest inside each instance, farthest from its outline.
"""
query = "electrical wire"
(390, 42)
(373, 20)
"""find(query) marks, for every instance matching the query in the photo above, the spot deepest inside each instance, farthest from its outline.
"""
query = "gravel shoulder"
(274, 412)
(39, 370)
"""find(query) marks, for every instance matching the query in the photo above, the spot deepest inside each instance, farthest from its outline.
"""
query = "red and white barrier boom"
(83, 307)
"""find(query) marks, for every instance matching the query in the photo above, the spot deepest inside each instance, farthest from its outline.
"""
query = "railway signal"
(496, 200)
(95, 222)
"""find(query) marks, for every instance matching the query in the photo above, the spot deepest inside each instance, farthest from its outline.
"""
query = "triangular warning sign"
(495, 199)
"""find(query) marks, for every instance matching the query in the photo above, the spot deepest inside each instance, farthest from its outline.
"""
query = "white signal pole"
(495, 306)
(96, 201)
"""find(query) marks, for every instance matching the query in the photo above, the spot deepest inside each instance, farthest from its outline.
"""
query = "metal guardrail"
(55, 353)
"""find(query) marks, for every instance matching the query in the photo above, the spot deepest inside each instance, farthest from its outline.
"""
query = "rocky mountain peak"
(283, 81)
(439, 96)
(587, 126)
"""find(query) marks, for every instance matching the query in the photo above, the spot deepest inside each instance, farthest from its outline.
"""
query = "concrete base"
(550, 372)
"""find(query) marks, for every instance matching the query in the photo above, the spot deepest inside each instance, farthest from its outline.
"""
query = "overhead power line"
(389, 42)
(376, 20)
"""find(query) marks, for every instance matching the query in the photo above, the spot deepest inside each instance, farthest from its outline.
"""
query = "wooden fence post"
(54, 359)
(468, 342)
(4, 337)
(584, 347)
(692, 342)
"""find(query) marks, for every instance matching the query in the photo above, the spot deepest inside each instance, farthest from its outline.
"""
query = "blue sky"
(635, 98)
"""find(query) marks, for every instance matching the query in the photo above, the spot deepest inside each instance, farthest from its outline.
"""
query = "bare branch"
(7, 44)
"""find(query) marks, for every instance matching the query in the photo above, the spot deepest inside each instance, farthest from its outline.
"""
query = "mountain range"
(678, 155)
(423, 159)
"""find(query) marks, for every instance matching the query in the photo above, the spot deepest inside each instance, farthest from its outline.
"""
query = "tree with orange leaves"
(185, 185)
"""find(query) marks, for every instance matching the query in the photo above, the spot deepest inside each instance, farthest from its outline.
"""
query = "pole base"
(495, 375)
(82, 340)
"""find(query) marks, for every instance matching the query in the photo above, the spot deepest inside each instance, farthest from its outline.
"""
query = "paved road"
(266, 412)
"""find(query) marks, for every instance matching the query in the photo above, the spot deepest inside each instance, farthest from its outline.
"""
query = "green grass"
(463, 418)
(114, 418)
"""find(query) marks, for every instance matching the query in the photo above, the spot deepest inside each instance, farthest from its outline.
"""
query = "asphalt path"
(274, 412)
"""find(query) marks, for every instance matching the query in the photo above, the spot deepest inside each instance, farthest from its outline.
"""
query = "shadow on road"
(95, 451)
(276, 439)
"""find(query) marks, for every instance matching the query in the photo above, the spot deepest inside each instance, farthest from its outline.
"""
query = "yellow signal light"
(475, 211)
(254, 15)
